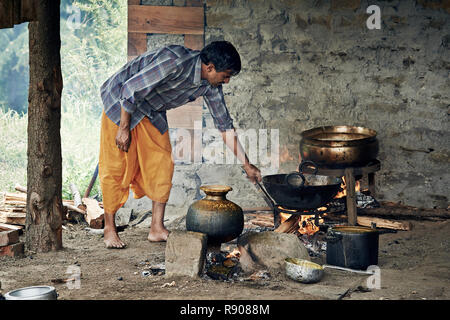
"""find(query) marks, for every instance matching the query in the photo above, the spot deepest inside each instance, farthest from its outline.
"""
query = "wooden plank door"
(188, 21)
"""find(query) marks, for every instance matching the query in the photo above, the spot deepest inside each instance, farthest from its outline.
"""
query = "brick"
(185, 253)
(9, 237)
(13, 250)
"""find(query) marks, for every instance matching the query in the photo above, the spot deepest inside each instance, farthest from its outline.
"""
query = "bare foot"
(111, 239)
(158, 235)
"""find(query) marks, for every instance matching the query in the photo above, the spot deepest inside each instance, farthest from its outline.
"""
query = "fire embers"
(307, 224)
(223, 265)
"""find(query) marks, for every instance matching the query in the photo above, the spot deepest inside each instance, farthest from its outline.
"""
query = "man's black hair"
(223, 55)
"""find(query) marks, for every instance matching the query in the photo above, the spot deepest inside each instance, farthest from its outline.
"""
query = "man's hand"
(123, 139)
(253, 173)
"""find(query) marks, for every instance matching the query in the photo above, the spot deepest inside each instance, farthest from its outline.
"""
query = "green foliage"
(13, 150)
(14, 68)
(90, 53)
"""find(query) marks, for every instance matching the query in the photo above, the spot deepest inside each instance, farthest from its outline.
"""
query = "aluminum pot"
(339, 146)
(303, 271)
(33, 293)
(352, 247)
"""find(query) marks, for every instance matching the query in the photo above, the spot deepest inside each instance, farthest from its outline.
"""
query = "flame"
(307, 225)
(343, 193)
(284, 216)
(285, 156)
(234, 254)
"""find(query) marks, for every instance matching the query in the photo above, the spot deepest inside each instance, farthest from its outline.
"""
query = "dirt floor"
(413, 265)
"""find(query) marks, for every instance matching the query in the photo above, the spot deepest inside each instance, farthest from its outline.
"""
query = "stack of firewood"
(13, 208)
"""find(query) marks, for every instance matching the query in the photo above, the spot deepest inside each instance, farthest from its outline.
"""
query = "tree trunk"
(44, 171)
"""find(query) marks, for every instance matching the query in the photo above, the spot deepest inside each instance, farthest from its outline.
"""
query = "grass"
(79, 145)
(13, 150)
(89, 55)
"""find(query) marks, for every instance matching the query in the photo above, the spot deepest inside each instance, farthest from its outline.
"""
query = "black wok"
(299, 191)
(287, 191)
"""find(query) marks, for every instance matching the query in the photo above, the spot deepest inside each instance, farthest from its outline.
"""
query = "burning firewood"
(290, 225)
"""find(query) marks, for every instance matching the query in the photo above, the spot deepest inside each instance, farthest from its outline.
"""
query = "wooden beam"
(6, 14)
(194, 3)
(28, 10)
(12, 217)
(184, 116)
(165, 19)
(16, 11)
(194, 41)
(137, 44)
(351, 196)
(384, 223)
(394, 210)
(9, 237)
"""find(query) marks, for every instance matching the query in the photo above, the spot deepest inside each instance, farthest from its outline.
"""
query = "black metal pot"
(352, 247)
(302, 191)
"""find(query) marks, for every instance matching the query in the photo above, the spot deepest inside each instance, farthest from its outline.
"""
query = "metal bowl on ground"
(303, 271)
(32, 293)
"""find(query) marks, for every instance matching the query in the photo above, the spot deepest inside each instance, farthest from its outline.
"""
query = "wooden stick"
(12, 218)
(289, 225)
(351, 196)
(262, 223)
(94, 214)
(75, 195)
(73, 208)
(384, 223)
(252, 209)
(407, 212)
(10, 226)
(20, 188)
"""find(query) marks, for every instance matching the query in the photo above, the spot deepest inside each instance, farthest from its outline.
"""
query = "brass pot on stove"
(339, 146)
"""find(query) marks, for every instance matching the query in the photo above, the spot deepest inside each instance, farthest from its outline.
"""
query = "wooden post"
(44, 171)
(351, 196)
(371, 181)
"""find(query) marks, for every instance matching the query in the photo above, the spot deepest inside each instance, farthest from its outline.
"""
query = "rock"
(185, 253)
(268, 250)
(123, 216)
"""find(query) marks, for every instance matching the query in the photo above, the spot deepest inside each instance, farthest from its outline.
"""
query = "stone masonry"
(312, 63)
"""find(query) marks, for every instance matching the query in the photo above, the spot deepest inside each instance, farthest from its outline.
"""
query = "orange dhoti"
(147, 167)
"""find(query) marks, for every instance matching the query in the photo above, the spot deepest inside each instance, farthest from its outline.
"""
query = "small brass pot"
(221, 219)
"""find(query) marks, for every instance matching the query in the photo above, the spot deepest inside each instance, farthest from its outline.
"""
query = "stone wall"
(313, 63)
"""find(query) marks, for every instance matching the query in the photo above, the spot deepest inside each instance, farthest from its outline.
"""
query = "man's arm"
(231, 140)
(123, 137)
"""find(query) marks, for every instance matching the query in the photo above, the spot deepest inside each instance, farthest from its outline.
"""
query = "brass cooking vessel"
(339, 146)
(221, 219)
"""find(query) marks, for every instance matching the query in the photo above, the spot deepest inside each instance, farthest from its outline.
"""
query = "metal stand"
(350, 173)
